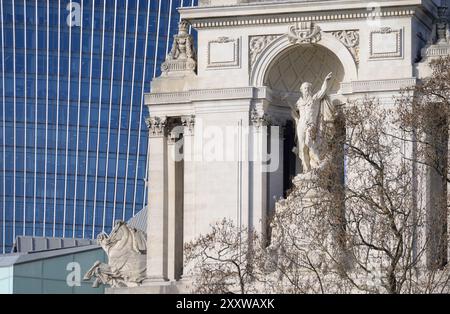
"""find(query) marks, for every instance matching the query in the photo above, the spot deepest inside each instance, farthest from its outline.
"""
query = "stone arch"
(304, 63)
(277, 47)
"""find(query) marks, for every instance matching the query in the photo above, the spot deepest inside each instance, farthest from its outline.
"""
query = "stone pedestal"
(306, 185)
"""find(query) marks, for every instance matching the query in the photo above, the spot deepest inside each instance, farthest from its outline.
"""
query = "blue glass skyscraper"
(73, 140)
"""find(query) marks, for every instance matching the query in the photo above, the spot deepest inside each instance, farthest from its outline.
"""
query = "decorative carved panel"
(386, 43)
(304, 33)
(257, 44)
(350, 39)
(224, 52)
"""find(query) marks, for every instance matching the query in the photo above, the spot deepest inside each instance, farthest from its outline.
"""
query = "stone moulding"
(203, 95)
(436, 51)
(283, 19)
(178, 66)
(263, 93)
(377, 85)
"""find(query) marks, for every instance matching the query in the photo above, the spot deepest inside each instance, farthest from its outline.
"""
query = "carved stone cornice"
(203, 95)
(377, 85)
(157, 126)
(286, 19)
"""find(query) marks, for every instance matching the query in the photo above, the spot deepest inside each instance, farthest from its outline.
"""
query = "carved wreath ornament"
(304, 33)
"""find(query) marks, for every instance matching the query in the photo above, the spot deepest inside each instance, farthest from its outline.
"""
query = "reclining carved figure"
(126, 248)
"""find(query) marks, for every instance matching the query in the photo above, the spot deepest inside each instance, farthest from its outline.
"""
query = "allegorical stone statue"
(182, 56)
(440, 32)
(311, 113)
(126, 248)
(183, 44)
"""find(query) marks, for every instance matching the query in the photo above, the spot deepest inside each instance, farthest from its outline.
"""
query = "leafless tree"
(364, 234)
(220, 262)
(425, 118)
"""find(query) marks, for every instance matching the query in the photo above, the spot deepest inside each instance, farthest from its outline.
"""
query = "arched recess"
(304, 63)
(283, 67)
(278, 46)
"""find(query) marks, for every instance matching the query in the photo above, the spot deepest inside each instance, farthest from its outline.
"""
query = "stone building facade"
(217, 95)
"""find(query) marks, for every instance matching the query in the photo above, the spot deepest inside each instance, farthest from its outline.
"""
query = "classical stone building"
(216, 95)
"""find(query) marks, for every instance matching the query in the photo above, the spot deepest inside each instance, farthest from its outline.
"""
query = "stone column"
(259, 136)
(189, 178)
(157, 241)
(175, 203)
(276, 177)
(189, 216)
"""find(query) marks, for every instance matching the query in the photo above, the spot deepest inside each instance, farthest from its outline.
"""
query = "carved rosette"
(304, 33)
(157, 126)
(350, 39)
(188, 122)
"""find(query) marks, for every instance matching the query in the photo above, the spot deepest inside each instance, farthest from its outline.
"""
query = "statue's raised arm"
(323, 91)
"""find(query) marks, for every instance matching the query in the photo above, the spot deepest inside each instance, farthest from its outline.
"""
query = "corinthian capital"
(259, 119)
(157, 126)
(189, 124)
